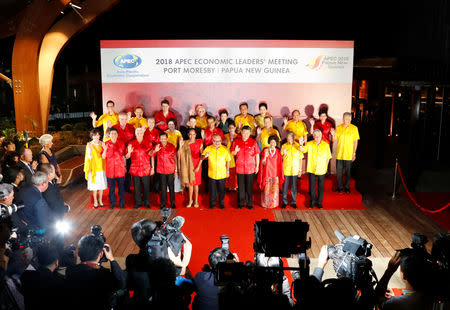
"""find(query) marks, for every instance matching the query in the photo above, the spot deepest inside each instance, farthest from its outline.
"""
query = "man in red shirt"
(161, 117)
(210, 131)
(113, 153)
(323, 125)
(166, 155)
(247, 152)
(151, 132)
(139, 152)
(126, 135)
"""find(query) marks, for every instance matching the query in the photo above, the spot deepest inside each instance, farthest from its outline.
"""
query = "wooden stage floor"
(387, 224)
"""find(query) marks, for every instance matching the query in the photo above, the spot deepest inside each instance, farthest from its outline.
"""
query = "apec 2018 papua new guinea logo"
(324, 62)
(127, 61)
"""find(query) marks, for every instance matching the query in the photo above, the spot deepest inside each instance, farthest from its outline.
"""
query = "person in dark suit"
(53, 195)
(43, 288)
(14, 175)
(36, 214)
(138, 265)
(28, 165)
(88, 284)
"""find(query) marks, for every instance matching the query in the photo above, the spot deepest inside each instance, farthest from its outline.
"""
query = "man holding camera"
(89, 285)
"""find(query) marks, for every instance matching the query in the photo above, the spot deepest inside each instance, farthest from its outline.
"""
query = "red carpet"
(434, 201)
(332, 200)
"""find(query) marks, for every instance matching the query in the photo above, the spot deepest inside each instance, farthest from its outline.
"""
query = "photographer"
(43, 288)
(89, 285)
(207, 291)
(414, 271)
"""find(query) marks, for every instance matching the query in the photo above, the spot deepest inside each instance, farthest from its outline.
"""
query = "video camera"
(350, 259)
(272, 241)
(167, 234)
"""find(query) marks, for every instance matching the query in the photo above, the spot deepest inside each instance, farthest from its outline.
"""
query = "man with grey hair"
(346, 135)
(318, 157)
(28, 165)
(36, 214)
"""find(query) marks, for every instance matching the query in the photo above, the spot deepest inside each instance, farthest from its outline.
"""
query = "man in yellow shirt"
(292, 168)
(244, 119)
(218, 170)
(108, 119)
(139, 120)
(266, 132)
(296, 126)
(319, 155)
(346, 135)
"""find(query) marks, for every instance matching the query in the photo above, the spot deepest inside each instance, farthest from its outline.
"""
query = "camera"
(167, 234)
(6, 211)
(350, 259)
(96, 231)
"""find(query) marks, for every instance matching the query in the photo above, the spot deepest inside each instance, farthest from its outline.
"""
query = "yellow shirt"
(173, 137)
(201, 122)
(249, 120)
(345, 141)
(232, 162)
(264, 137)
(299, 128)
(259, 119)
(138, 123)
(103, 120)
(318, 156)
(217, 160)
(95, 163)
(291, 158)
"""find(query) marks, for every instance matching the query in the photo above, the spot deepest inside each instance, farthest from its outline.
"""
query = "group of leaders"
(221, 152)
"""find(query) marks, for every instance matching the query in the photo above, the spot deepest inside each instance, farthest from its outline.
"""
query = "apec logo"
(127, 61)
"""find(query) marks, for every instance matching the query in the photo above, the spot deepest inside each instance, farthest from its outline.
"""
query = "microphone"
(339, 235)
(178, 222)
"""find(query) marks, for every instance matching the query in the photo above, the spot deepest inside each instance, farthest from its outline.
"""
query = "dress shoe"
(173, 206)
(294, 205)
(222, 206)
(347, 191)
(122, 206)
(211, 207)
(239, 207)
(250, 207)
(338, 190)
(311, 205)
(147, 206)
(112, 206)
(319, 205)
(136, 206)
(283, 206)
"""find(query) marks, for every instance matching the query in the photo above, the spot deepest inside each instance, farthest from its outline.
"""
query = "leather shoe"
(172, 206)
(283, 206)
(293, 205)
(347, 191)
(319, 206)
(250, 207)
(122, 206)
(239, 207)
(338, 190)
(311, 205)
(147, 206)
(222, 206)
(112, 206)
(211, 207)
(136, 206)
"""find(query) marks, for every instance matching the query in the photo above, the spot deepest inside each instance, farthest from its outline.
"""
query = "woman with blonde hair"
(46, 156)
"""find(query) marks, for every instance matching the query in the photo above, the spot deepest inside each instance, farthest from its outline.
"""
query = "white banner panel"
(227, 65)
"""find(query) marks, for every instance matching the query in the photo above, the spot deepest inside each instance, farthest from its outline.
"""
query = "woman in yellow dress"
(95, 168)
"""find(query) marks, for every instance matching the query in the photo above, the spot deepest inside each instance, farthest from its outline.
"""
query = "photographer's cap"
(5, 190)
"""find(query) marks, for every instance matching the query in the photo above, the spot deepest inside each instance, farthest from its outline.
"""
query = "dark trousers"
(316, 192)
(112, 189)
(216, 188)
(167, 180)
(156, 179)
(205, 178)
(128, 176)
(292, 179)
(343, 166)
(245, 189)
(145, 193)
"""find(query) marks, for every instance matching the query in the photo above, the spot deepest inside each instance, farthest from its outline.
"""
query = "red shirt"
(115, 164)
(166, 159)
(325, 129)
(127, 134)
(152, 136)
(210, 133)
(246, 157)
(140, 160)
(159, 117)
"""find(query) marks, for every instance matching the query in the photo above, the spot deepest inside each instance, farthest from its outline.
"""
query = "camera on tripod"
(350, 259)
